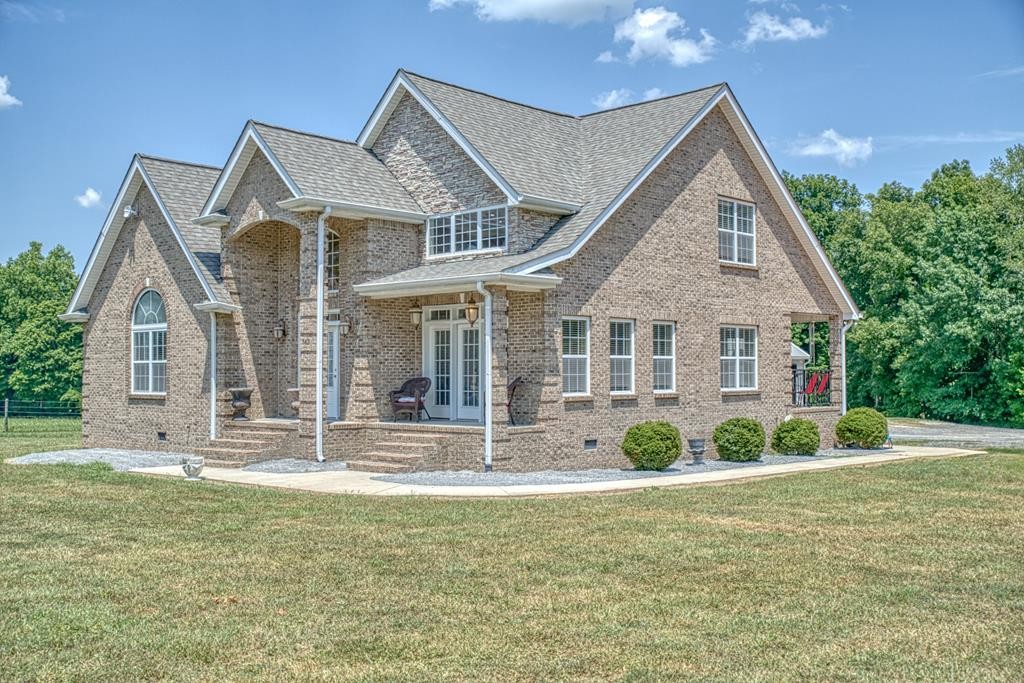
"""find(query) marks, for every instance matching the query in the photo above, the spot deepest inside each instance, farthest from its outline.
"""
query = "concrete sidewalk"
(363, 483)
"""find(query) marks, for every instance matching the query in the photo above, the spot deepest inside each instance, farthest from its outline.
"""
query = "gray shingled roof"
(336, 170)
(537, 151)
(183, 188)
(612, 148)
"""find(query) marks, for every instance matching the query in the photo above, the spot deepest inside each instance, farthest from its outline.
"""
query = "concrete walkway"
(364, 483)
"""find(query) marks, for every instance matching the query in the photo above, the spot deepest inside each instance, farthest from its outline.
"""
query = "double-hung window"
(738, 358)
(664, 353)
(467, 231)
(736, 238)
(621, 356)
(576, 356)
(149, 345)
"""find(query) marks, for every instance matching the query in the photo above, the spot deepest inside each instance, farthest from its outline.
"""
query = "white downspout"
(842, 352)
(320, 226)
(213, 375)
(488, 379)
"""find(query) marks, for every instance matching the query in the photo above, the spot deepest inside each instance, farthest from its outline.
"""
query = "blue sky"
(869, 90)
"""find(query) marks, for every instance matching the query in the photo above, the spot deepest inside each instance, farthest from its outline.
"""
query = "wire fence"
(15, 408)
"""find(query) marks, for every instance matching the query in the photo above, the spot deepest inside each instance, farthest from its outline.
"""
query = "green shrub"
(864, 427)
(739, 439)
(652, 445)
(796, 437)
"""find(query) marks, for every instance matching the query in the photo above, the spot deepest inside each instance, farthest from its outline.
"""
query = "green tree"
(40, 356)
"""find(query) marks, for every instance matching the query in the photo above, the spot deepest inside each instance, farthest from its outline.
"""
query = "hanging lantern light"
(472, 311)
(416, 314)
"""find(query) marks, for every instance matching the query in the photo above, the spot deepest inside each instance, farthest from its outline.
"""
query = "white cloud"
(1003, 73)
(88, 199)
(846, 151)
(570, 12)
(654, 93)
(606, 57)
(613, 98)
(32, 13)
(658, 32)
(764, 27)
(6, 98)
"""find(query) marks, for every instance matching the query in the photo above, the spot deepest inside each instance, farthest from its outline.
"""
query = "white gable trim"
(133, 181)
(381, 114)
(768, 172)
(248, 142)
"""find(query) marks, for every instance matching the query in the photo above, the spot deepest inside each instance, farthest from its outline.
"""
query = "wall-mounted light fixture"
(129, 211)
(345, 325)
(416, 314)
(279, 330)
(472, 311)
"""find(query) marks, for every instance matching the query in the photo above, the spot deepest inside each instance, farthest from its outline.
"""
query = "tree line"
(939, 275)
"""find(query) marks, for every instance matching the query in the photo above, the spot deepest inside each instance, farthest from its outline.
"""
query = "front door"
(452, 362)
(468, 401)
(333, 372)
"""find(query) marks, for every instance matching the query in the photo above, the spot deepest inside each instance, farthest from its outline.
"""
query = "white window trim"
(337, 263)
(632, 357)
(735, 232)
(149, 329)
(737, 357)
(586, 321)
(451, 233)
(672, 357)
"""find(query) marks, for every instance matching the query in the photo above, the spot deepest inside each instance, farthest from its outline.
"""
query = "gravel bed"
(120, 459)
(467, 478)
(294, 466)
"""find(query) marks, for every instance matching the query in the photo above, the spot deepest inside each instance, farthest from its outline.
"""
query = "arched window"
(149, 345)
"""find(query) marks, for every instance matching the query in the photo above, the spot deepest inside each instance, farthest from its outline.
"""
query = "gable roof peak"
(307, 133)
(492, 96)
(179, 162)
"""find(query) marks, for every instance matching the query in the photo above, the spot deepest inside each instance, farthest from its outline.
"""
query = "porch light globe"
(472, 312)
(416, 315)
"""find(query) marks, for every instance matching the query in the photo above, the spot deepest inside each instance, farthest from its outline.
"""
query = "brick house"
(636, 263)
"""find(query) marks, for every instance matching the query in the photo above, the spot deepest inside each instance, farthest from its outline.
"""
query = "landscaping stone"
(120, 459)
(294, 466)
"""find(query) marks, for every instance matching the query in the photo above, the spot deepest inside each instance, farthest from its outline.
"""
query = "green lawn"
(904, 571)
(35, 434)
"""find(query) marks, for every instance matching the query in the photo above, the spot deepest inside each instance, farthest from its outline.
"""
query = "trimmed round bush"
(796, 437)
(864, 427)
(739, 439)
(652, 445)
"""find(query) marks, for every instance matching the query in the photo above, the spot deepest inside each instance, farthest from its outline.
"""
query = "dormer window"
(465, 232)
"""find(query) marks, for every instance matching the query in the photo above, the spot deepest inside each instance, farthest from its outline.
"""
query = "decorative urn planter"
(241, 401)
(696, 449)
(193, 466)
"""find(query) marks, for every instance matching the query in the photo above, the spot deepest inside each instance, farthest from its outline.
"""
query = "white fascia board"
(351, 209)
(213, 220)
(249, 136)
(852, 312)
(113, 214)
(217, 307)
(456, 283)
(547, 204)
(372, 128)
(573, 249)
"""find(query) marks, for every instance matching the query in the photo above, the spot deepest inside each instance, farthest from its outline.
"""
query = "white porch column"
(488, 378)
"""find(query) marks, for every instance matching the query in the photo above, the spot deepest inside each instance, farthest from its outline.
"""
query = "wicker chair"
(409, 399)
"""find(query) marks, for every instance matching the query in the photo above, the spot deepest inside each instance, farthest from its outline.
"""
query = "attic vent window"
(466, 232)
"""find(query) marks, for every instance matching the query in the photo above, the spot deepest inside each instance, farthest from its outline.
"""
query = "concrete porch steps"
(402, 448)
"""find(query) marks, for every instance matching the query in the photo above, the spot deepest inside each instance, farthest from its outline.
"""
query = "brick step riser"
(397, 458)
(402, 445)
(242, 444)
(378, 467)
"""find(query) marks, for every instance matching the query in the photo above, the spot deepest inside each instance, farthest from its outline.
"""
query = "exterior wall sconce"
(415, 314)
(345, 325)
(472, 311)
(279, 330)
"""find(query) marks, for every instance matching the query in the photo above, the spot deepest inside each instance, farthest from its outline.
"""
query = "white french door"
(333, 371)
(452, 360)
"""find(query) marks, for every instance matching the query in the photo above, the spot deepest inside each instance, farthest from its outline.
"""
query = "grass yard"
(35, 434)
(906, 571)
